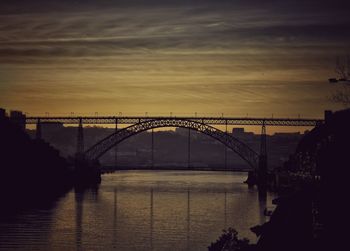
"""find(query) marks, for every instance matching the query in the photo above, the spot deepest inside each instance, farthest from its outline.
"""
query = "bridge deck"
(206, 120)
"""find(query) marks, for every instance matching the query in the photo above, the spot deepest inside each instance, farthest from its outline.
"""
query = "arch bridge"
(138, 124)
(244, 151)
(198, 123)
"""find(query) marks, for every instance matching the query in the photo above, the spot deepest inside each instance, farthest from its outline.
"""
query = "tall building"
(18, 118)
(2, 113)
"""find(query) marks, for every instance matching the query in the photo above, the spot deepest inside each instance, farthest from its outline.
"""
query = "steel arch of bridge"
(244, 151)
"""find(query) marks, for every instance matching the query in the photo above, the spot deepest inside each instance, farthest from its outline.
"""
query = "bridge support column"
(116, 146)
(80, 138)
(189, 149)
(87, 171)
(152, 145)
(262, 169)
(226, 146)
(38, 130)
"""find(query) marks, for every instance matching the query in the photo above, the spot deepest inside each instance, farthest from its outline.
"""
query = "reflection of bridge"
(151, 203)
(202, 124)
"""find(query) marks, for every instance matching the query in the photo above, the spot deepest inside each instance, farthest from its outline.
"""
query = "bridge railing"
(206, 120)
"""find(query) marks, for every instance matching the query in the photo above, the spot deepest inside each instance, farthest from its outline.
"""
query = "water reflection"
(262, 208)
(144, 210)
(29, 228)
(115, 218)
(188, 218)
(151, 220)
(79, 198)
(79, 194)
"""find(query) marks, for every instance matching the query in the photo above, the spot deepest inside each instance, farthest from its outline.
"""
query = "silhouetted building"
(239, 132)
(327, 116)
(18, 118)
(2, 113)
(184, 132)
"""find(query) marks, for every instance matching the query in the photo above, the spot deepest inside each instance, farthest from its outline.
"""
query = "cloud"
(191, 54)
(117, 31)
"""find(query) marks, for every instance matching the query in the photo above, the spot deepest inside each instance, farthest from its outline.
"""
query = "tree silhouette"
(229, 241)
(342, 69)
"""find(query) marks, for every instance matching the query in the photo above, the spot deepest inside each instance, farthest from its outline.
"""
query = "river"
(141, 210)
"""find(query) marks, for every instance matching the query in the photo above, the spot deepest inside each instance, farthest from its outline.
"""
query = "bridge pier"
(152, 150)
(262, 176)
(189, 149)
(38, 130)
(87, 172)
(116, 147)
(262, 169)
(226, 146)
(80, 138)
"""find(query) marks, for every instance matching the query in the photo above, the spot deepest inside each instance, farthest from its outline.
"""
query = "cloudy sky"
(160, 56)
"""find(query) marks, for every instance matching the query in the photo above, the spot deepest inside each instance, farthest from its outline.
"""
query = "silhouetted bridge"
(205, 125)
(144, 123)
(111, 120)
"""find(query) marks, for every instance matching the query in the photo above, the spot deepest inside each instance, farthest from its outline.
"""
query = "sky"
(209, 57)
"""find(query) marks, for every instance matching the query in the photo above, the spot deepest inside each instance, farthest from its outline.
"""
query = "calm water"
(141, 210)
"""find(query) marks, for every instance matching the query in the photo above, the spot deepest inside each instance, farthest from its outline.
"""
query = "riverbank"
(32, 171)
(311, 186)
